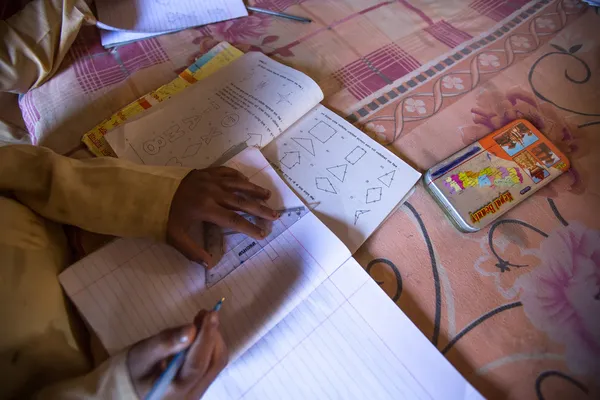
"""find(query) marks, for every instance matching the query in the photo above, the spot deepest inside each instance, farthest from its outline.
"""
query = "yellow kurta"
(41, 190)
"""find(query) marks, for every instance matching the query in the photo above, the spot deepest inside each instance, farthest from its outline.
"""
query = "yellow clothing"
(39, 190)
(34, 41)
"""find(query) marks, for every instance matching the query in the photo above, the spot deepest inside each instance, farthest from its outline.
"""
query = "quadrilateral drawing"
(355, 155)
(191, 150)
(306, 144)
(358, 213)
(325, 185)
(291, 159)
(388, 178)
(339, 171)
(284, 98)
(322, 132)
(373, 195)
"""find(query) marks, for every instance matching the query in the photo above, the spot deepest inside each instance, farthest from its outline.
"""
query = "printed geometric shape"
(373, 195)
(284, 98)
(291, 159)
(254, 140)
(358, 213)
(192, 121)
(306, 144)
(191, 150)
(388, 178)
(325, 185)
(339, 171)
(355, 155)
(174, 162)
(322, 132)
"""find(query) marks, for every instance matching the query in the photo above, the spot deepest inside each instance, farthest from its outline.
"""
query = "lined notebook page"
(155, 16)
(132, 289)
(346, 340)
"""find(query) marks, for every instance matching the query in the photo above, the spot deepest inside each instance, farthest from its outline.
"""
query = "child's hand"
(213, 195)
(205, 359)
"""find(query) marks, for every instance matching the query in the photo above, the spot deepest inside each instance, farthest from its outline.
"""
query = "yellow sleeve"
(109, 381)
(104, 195)
(34, 41)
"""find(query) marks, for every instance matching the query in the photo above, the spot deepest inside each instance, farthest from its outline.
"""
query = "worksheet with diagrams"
(351, 182)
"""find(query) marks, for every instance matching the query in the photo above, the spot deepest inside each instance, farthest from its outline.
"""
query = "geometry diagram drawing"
(373, 195)
(339, 171)
(192, 121)
(191, 150)
(388, 178)
(306, 144)
(355, 155)
(284, 98)
(358, 213)
(291, 159)
(254, 140)
(325, 185)
(174, 162)
(322, 132)
(214, 132)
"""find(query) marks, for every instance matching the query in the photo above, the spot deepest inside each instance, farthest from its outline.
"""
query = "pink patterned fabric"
(376, 70)
(97, 68)
(514, 307)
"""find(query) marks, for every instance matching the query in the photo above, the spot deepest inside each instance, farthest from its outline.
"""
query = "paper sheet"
(216, 58)
(131, 289)
(126, 20)
(345, 340)
(357, 182)
(252, 100)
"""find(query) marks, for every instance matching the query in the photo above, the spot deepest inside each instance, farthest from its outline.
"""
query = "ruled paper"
(160, 16)
(132, 288)
(346, 340)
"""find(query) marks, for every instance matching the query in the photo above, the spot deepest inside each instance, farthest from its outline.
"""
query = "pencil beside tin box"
(486, 179)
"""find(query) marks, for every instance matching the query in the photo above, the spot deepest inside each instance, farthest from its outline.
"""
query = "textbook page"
(252, 100)
(160, 16)
(346, 340)
(355, 181)
(132, 288)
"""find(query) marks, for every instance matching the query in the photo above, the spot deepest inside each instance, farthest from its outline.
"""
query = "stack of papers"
(123, 21)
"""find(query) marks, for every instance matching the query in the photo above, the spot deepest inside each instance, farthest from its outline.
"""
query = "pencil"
(164, 380)
(279, 14)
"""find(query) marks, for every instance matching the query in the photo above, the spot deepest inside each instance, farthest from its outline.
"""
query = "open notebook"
(302, 319)
(256, 101)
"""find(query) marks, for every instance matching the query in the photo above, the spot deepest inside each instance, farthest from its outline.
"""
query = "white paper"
(252, 100)
(156, 16)
(132, 289)
(357, 181)
(347, 340)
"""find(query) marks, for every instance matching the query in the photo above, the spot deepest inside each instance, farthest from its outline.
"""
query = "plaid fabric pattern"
(497, 9)
(376, 70)
(96, 67)
(448, 34)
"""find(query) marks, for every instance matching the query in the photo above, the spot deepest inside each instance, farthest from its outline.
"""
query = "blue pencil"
(164, 380)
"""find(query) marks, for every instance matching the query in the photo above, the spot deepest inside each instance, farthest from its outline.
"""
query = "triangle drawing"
(339, 171)
(306, 144)
(388, 178)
